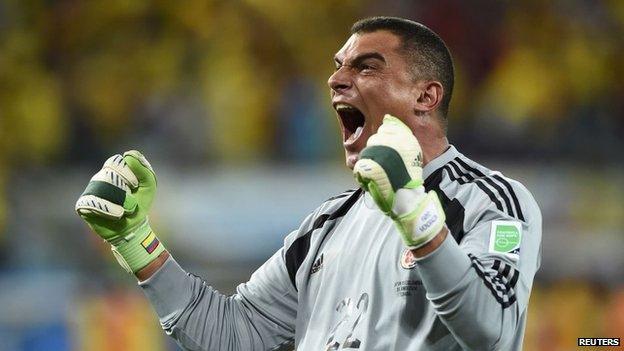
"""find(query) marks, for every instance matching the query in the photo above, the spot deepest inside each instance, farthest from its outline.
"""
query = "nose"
(339, 81)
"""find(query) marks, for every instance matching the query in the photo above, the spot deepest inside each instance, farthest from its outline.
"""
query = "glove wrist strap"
(421, 225)
(137, 249)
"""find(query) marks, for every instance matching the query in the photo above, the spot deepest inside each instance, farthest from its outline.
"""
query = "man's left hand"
(390, 170)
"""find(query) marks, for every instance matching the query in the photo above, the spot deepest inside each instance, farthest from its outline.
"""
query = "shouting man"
(433, 252)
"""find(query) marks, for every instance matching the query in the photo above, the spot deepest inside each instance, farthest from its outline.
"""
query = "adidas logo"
(317, 265)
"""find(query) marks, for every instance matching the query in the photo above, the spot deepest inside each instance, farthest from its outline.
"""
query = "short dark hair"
(430, 57)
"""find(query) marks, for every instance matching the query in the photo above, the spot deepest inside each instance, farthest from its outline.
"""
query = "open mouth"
(353, 121)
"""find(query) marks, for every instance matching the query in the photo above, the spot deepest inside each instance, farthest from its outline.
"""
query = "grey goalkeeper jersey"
(344, 280)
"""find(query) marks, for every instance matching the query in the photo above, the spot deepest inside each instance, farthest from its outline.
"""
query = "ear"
(428, 96)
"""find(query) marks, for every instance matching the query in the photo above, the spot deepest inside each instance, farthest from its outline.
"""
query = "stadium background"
(228, 100)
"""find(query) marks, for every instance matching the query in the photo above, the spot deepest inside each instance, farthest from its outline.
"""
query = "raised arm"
(480, 288)
(260, 316)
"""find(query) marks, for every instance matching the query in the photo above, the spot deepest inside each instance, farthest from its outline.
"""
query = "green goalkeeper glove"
(390, 170)
(115, 205)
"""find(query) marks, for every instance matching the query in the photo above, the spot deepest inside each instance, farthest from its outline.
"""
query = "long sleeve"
(260, 316)
(480, 287)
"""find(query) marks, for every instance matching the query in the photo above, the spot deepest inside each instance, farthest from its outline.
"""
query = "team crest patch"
(505, 238)
(408, 261)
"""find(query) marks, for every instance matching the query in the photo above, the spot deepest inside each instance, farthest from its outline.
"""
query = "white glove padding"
(390, 170)
(116, 180)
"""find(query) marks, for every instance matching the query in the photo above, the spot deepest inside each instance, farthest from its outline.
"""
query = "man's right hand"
(115, 205)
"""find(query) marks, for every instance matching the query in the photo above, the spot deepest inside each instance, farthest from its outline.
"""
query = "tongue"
(356, 134)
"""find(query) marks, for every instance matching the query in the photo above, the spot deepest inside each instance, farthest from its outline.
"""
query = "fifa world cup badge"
(505, 238)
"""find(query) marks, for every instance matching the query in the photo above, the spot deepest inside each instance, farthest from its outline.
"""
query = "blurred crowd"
(78, 76)
(535, 79)
(205, 85)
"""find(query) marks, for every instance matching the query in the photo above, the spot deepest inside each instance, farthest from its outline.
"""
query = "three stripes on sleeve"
(460, 171)
(501, 278)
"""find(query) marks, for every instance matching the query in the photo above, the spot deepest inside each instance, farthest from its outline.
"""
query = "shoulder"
(491, 189)
(526, 202)
(337, 198)
(331, 209)
(337, 205)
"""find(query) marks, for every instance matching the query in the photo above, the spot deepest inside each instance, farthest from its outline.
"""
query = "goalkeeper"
(433, 252)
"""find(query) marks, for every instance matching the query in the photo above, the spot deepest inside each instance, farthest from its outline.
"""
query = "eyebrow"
(363, 57)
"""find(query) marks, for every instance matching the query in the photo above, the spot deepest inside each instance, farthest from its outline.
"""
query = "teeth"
(341, 107)
(356, 134)
(358, 131)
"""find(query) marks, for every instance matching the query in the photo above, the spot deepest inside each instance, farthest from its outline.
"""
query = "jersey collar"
(440, 161)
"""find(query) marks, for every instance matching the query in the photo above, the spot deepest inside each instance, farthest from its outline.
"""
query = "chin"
(351, 159)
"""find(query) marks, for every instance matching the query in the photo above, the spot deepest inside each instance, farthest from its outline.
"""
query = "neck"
(431, 137)
(433, 148)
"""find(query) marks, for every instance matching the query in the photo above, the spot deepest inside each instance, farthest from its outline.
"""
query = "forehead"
(382, 42)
